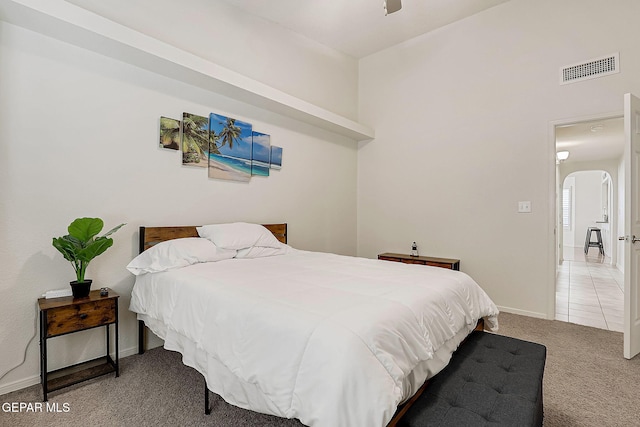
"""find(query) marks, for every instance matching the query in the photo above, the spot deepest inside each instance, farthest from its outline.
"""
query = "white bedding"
(328, 339)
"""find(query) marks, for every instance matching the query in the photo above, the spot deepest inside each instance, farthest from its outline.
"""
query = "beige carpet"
(587, 382)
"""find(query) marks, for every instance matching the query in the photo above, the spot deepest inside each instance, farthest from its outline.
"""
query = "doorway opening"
(589, 286)
(590, 278)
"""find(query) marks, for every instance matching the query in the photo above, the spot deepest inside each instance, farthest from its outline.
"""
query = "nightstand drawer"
(439, 264)
(76, 317)
(409, 261)
(451, 264)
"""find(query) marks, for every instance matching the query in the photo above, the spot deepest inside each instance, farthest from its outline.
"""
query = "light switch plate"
(524, 207)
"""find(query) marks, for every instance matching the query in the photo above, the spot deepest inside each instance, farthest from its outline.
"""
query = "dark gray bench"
(491, 380)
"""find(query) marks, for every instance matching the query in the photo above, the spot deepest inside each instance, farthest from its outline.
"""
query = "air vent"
(591, 69)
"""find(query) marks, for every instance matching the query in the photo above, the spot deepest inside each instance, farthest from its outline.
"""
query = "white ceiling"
(359, 27)
(593, 140)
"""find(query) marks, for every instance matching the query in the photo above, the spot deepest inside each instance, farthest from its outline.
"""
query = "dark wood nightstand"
(452, 264)
(61, 316)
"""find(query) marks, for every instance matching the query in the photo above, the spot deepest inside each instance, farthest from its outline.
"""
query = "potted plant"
(81, 246)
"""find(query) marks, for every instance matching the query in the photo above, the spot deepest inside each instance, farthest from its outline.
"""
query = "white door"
(631, 226)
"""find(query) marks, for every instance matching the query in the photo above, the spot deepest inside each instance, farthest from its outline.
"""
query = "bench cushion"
(491, 380)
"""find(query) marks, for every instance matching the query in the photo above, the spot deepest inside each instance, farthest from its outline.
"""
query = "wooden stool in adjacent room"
(588, 243)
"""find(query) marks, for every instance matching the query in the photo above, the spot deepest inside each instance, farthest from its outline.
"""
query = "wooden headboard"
(150, 236)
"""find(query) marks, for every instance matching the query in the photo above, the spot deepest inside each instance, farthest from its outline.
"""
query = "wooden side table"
(61, 316)
(452, 264)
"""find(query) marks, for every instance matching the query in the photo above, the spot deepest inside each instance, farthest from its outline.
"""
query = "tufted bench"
(491, 380)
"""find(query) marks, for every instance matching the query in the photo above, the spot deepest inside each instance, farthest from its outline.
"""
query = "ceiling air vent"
(591, 69)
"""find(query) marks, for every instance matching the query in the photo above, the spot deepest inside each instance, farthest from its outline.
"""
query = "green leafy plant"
(82, 245)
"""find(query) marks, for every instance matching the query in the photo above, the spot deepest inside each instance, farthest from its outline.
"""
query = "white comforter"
(328, 339)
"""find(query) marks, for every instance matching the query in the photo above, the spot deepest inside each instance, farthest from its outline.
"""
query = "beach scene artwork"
(261, 155)
(230, 148)
(276, 157)
(195, 140)
(169, 133)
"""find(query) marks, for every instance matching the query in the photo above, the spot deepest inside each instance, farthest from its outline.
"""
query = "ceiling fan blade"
(391, 6)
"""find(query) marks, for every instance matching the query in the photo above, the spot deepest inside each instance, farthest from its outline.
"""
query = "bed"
(330, 340)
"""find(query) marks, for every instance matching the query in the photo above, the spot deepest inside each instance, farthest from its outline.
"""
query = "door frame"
(631, 226)
(552, 216)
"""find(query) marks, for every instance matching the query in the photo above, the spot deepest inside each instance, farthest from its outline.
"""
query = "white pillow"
(261, 251)
(238, 235)
(177, 253)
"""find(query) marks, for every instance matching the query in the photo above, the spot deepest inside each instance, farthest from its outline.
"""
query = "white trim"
(523, 313)
(20, 384)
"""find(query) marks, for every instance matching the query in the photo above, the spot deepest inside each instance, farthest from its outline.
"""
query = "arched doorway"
(587, 203)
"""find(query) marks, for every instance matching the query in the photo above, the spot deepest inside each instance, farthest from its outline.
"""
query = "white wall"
(246, 44)
(80, 137)
(463, 118)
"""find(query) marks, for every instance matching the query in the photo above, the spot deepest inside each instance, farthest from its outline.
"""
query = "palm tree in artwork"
(169, 133)
(229, 134)
(213, 142)
(195, 138)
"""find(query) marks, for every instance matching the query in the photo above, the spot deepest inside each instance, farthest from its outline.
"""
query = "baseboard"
(35, 379)
(128, 351)
(523, 312)
(20, 384)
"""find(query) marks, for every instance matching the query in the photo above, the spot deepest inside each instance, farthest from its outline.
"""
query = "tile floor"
(589, 291)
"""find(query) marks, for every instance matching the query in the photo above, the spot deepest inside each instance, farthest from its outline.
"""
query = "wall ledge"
(80, 27)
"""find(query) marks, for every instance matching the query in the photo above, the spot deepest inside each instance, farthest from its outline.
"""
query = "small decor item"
(414, 249)
(169, 133)
(276, 157)
(81, 246)
(195, 140)
(230, 143)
